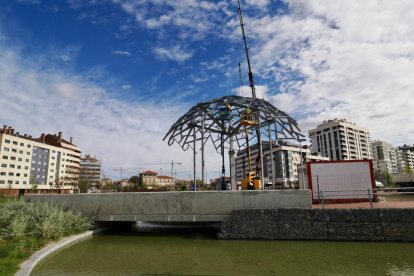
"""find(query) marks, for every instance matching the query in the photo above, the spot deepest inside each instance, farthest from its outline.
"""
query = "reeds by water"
(19, 218)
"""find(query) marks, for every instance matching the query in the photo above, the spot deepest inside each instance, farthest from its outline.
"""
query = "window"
(5, 157)
(28, 153)
(27, 160)
(19, 167)
(17, 182)
(19, 159)
(25, 175)
(29, 146)
(7, 141)
(17, 174)
(9, 181)
(12, 166)
(2, 173)
(11, 174)
(20, 151)
(21, 144)
(6, 149)
(15, 143)
(52, 164)
(24, 182)
(4, 165)
(1, 181)
(12, 158)
(14, 150)
(53, 157)
(53, 151)
(26, 167)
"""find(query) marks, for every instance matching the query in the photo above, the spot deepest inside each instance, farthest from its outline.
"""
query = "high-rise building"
(341, 140)
(39, 164)
(385, 157)
(407, 156)
(90, 171)
(286, 160)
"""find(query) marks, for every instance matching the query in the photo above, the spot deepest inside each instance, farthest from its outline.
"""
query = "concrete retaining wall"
(176, 206)
(317, 224)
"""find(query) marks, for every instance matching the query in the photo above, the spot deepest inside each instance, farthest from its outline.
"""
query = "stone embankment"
(317, 224)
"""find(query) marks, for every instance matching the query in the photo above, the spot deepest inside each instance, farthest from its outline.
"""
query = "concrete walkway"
(27, 266)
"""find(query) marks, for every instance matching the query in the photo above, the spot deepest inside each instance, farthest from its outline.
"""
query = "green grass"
(26, 227)
(15, 251)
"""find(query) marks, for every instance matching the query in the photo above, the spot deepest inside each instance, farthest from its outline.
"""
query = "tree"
(109, 186)
(389, 182)
(83, 185)
(134, 180)
(58, 183)
(407, 170)
(33, 184)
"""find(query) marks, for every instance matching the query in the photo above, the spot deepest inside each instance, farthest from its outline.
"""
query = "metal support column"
(194, 160)
(203, 180)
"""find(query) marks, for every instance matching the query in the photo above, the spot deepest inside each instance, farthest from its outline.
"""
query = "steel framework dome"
(205, 121)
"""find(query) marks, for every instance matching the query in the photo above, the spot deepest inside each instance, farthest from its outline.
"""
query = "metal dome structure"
(220, 121)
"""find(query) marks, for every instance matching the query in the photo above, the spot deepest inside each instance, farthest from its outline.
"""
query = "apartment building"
(45, 164)
(90, 171)
(385, 156)
(153, 180)
(287, 160)
(407, 156)
(341, 140)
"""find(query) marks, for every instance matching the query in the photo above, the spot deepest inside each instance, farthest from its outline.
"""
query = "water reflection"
(167, 250)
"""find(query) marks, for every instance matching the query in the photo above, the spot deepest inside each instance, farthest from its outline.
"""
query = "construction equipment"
(252, 180)
(248, 118)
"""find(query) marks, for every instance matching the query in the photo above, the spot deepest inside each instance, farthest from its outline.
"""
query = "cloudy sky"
(116, 74)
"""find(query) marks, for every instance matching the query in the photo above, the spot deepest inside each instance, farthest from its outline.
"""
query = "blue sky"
(116, 74)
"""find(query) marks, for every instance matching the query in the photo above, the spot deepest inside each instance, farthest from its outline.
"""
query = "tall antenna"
(251, 81)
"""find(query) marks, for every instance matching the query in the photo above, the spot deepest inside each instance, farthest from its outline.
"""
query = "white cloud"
(122, 134)
(191, 19)
(258, 3)
(69, 53)
(246, 91)
(175, 53)
(122, 53)
(345, 59)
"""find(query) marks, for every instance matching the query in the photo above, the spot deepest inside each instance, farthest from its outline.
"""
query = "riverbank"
(316, 224)
(26, 227)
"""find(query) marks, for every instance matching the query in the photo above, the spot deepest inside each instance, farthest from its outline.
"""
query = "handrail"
(323, 195)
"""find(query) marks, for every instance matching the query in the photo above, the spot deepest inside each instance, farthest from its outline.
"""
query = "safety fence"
(370, 195)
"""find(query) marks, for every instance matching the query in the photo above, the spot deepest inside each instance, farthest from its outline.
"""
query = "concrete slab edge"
(27, 266)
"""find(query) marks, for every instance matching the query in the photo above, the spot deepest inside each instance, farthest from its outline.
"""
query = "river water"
(153, 250)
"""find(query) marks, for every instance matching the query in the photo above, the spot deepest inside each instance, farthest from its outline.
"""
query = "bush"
(19, 218)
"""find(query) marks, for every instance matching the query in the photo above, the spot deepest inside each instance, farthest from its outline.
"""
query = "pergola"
(220, 121)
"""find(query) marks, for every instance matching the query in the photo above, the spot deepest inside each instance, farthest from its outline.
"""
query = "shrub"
(20, 218)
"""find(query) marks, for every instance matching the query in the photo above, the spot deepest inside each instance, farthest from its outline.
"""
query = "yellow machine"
(252, 180)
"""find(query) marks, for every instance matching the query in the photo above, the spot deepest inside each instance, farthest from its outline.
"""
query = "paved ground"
(386, 200)
(381, 204)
